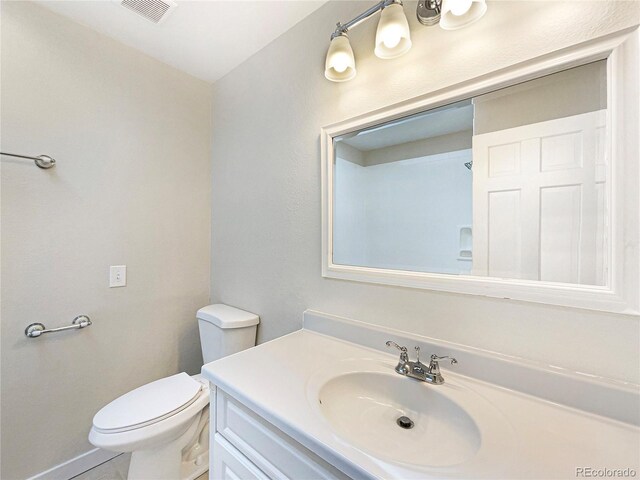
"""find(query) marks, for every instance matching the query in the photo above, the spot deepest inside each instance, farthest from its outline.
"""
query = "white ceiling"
(206, 39)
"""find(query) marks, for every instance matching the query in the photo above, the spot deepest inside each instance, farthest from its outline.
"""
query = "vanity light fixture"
(393, 37)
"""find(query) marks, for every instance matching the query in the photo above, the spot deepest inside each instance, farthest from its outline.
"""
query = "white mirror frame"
(622, 293)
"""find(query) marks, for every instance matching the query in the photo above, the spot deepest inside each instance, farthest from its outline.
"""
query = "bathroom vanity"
(325, 402)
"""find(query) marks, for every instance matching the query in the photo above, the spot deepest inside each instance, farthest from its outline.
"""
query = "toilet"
(165, 423)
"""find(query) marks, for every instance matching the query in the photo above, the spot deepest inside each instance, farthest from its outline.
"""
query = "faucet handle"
(399, 347)
(403, 363)
(434, 368)
(436, 358)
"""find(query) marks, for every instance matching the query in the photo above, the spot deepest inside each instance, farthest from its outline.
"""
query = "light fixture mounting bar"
(342, 28)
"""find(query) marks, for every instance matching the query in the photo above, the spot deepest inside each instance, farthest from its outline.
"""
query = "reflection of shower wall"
(403, 215)
(349, 218)
(414, 210)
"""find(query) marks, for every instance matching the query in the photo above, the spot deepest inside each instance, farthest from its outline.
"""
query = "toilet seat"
(148, 404)
(155, 432)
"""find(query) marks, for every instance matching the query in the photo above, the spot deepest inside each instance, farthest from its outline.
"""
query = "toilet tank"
(225, 330)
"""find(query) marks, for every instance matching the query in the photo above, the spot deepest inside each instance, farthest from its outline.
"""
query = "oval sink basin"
(365, 408)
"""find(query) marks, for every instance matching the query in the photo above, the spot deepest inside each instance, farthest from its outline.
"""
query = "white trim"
(77, 465)
(622, 52)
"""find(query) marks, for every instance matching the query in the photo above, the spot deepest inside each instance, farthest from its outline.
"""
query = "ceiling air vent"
(155, 11)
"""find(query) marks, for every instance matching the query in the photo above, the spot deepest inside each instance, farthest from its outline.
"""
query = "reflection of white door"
(539, 201)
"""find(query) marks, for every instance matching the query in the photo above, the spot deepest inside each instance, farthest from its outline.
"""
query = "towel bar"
(36, 329)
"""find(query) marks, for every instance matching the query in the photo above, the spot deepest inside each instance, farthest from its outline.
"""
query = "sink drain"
(405, 422)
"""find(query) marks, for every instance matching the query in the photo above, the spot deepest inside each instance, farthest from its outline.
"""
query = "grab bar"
(42, 161)
(36, 329)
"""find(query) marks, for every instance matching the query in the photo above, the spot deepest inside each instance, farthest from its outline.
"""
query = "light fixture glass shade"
(460, 13)
(340, 65)
(393, 37)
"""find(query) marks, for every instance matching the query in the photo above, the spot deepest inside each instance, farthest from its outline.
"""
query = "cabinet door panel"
(278, 455)
(229, 464)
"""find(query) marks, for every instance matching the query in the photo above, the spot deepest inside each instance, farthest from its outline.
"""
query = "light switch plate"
(117, 276)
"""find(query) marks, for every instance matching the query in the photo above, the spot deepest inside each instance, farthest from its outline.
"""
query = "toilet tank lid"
(224, 316)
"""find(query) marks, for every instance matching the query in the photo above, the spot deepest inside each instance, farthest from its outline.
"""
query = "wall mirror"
(516, 189)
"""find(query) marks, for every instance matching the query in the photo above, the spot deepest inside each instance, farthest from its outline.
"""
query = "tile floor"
(115, 469)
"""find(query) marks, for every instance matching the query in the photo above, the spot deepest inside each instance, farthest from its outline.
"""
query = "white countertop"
(548, 440)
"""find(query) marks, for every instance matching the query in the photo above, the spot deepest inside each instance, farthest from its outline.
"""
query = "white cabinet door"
(229, 464)
(276, 454)
(539, 201)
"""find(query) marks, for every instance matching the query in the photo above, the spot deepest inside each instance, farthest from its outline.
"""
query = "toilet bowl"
(165, 423)
(165, 426)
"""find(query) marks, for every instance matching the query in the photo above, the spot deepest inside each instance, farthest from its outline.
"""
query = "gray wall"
(132, 186)
(266, 181)
(571, 92)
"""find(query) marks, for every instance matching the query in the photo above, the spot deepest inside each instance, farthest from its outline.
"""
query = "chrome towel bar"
(36, 329)
(42, 161)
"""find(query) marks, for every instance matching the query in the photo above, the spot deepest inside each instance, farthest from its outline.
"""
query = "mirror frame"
(622, 293)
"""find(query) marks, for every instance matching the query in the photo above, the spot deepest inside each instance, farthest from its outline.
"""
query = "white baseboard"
(76, 466)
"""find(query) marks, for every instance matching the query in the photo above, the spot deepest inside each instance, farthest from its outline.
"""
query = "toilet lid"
(148, 404)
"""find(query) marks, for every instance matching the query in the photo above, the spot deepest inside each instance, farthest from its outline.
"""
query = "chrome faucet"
(417, 369)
